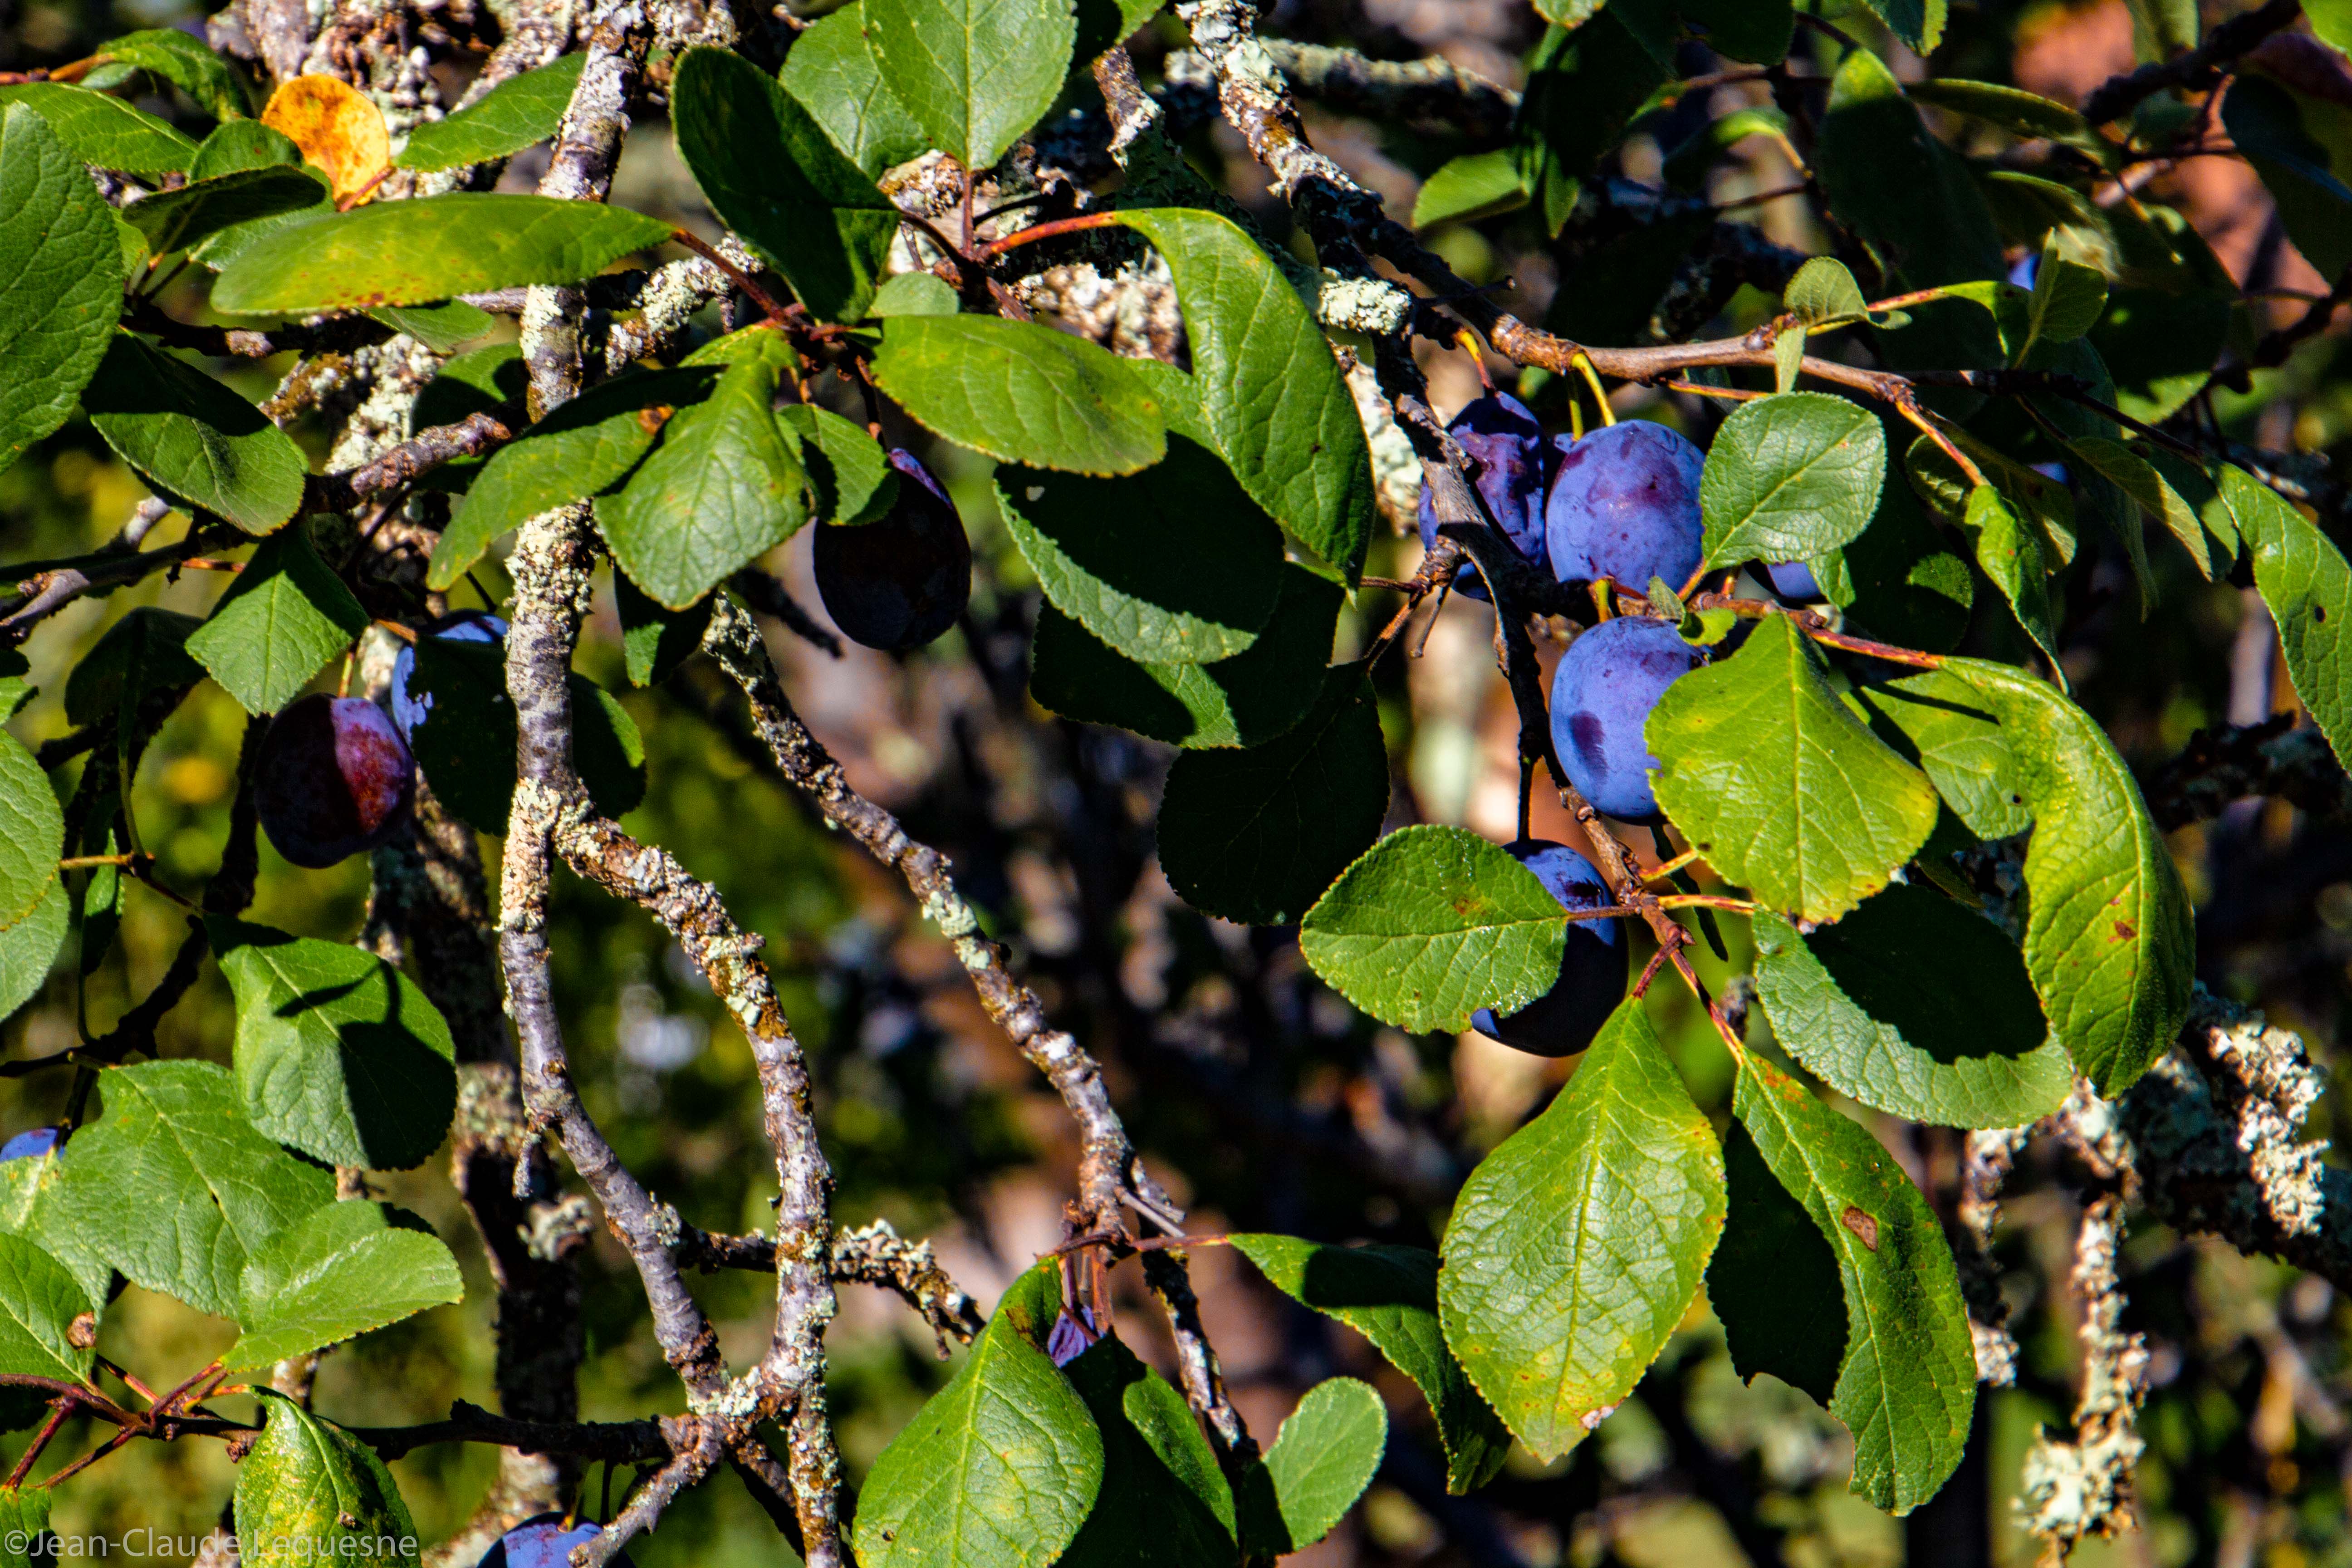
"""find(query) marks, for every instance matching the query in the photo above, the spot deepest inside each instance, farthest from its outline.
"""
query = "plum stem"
(1668, 867)
(1707, 901)
(1583, 362)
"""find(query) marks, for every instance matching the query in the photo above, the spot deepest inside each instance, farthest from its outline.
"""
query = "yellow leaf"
(340, 129)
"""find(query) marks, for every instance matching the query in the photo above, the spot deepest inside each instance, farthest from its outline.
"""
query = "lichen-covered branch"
(2070, 1490)
(875, 1255)
(420, 453)
(1988, 1157)
(2221, 766)
(1433, 91)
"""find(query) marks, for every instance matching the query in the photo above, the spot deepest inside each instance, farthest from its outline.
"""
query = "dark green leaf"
(2305, 581)
(283, 617)
(833, 72)
(974, 74)
(104, 130)
(175, 1188)
(1915, 1004)
(2067, 301)
(192, 438)
(32, 832)
(1021, 392)
(1432, 924)
(1576, 1246)
(998, 1470)
(1779, 785)
(173, 220)
(503, 121)
(466, 748)
(1790, 476)
(186, 64)
(2211, 536)
(415, 252)
(1907, 1384)
(1958, 741)
(2270, 127)
(64, 271)
(1583, 86)
(1321, 1461)
(1773, 1280)
(38, 1303)
(1389, 1294)
(490, 380)
(337, 1053)
(1162, 1504)
(146, 650)
(2153, 490)
(1244, 700)
(847, 469)
(340, 1270)
(655, 641)
(773, 176)
(2010, 551)
(2015, 110)
(311, 1491)
(1256, 836)
(1919, 23)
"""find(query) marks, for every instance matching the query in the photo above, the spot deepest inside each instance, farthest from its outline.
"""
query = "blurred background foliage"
(1262, 1098)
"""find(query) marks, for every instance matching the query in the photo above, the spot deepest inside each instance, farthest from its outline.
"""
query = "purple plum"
(333, 778)
(543, 1542)
(1514, 459)
(1563, 1020)
(1601, 695)
(31, 1142)
(465, 626)
(1624, 504)
(900, 581)
(1793, 580)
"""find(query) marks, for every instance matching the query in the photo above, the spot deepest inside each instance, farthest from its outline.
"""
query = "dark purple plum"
(1624, 504)
(899, 582)
(467, 625)
(333, 778)
(1601, 695)
(1074, 1334)
(1563, 1020)
(1513, 461)
(543, 1542)
(1793, 580)
(31, 1142)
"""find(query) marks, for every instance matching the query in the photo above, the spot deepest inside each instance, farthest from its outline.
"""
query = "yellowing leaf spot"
(340, 129)
(1863, 1227)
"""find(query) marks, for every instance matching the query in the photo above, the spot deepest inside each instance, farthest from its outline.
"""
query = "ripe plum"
(1515, 462)
(900, 581)
(333, 778)
(1601, 695)
(1624, 504)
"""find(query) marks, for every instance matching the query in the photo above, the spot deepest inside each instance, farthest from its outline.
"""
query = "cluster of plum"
(1621, 504)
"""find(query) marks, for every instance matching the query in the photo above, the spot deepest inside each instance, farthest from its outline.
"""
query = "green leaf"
(1959, 743)
(186, 64)
(1907, 1384)
(2332, 20)
(33, 1205)
(1779, 785)
(2193, 508)
(311, 1491)
(582, 449)
(722, 488)
(283, 617)
(501, 122)
(1470, 186)
(1576, 1246)
(1244, 700)
(194, 438)
(1919, 23)
(833, 72)
(1273, 400)
(997, 1470)
(339, 1271)
(337, 1053)
(24, 1538)
(913, 294)
(1389, 1294)
(2270, 126)
(655, 641)
(2109, 938)
(1021, 392)
(2067, 301)
(1173, 566)
(847, 469)
(38, 1303)
(63, 271)
(773, 176)
(1325, 1456)
(2010, 551)
(415, 252)
(32, 832)
(174, 220)
(438, 327)
(175, 1188)
(1585, 83)
(466, 748)
(2152, 490)
(145, 652)
(2305, 581)
(1823, 291)
(1773, 1280)
(29, 947)
(1915, 1004)
(104, 130)
(239, 145)
(1432, 924)
(1790, 476)
(974, 74)
(1256, 836)
(1162, 1503)
(491, 380)
(2015, 110)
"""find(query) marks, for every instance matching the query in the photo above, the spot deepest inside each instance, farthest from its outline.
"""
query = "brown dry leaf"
(340, 129)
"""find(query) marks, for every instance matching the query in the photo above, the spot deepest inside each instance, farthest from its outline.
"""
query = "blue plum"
(1601, 695)
(333, 778)
(1563, 1020)
(543, 1542)
(1513, 461)
(29, 1142)
(1793, 580)
(899, 582)
(1624, 504)
(467, 625)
